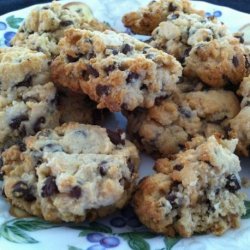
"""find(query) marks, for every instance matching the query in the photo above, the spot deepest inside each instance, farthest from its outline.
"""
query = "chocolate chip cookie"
(115, 70)
(239, 126)
(197, 191)
(146, 19)
(218, 63)
(181, 31)
(44, 26)
(72, 173)
(27, 99)
(165, 128)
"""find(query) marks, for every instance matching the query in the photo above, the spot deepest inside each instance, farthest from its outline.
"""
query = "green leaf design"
(16, 235)
(96, 226)
(14, 22)
(145, 235)
(73, 248)
(247, 215)
(33, 224)
(170, 242)
(136, 242)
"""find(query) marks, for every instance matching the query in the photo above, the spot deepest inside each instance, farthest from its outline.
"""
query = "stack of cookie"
(178, 92)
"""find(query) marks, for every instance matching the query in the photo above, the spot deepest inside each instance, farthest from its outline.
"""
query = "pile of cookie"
(185, 94)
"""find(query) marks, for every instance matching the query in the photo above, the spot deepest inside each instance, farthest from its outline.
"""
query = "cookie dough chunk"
(146, 19)
(27, 99)
(115, 70)
(72, 173)
(239, 126)
(45, 25)
(218, 62)
(180, 32)
(21, 67)
(196, 192)
(165, 128)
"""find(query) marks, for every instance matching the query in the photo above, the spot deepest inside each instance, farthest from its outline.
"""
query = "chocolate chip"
(1, 165)
(49, 187)
(232, 184)
(88, 40)
(102, 90)
(65, 23)
(22, 190)
(37, 157)
(160, 99)
(149, 56)
(109, 68)
(115, 51)
(116, 137)
(126, 48)
(90, 55)
(178, 167)
(131, 166)
(235, 61)
(72, 59)
(16, 122)
(132, 77)
(144, 87)
(172, 7)
(25, 83)
(184, 55)
(81, 132)
(172, 200)
(92, 71)
(103, 168)
(22, 131)
(85, 75)
(187, 113)
(174, 16)
(21, 145)
(50, 147)
(241, 39)
(38, 123)
(75, 192)
(30, 99)
(247, 63)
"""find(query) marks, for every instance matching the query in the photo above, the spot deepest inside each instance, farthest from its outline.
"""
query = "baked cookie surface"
(180, 32)
(27, 98)
(71, 173)
(165, 128)
(44, 26)
(146, 19)
(115, 70)
(197, 191)
(239, 126)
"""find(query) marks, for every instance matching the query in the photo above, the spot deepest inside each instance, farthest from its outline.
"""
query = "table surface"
(11, 5)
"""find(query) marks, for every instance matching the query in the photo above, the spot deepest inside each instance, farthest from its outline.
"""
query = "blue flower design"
(3, 26)
(8, 37)
(216, 13)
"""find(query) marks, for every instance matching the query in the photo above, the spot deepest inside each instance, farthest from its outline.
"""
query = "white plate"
(122, 230)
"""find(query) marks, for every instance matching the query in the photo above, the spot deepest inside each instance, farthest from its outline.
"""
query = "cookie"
(72, 173)
(239, 126)
(146, 19)
(115, 70)
(198, 191)
(27, 99)
(217, 63)
(181, 31)
(165, 128)
(44, 26)
(21, 67)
